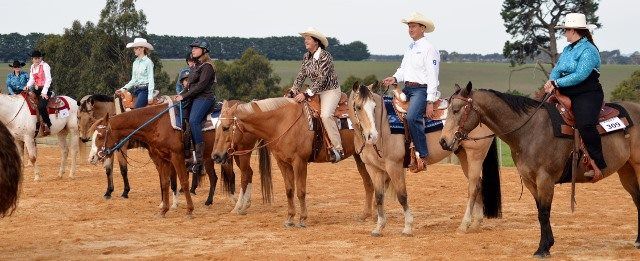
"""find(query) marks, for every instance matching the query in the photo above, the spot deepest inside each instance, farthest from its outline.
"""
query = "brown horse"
(528, 133)
(10, 172)
(383, 154)
(279, 121)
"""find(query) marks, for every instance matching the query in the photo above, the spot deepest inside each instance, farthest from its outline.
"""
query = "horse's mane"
(364, 92)
(266, 104)
(517, 103)
(10, 172)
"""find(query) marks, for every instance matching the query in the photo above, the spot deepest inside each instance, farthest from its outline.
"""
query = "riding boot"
(336, 155)
(199, 158)
(186, 143)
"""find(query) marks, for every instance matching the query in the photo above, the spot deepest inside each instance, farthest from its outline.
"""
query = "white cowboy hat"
(316, 34)
(575, 21)
(420, 19)
(140, 42)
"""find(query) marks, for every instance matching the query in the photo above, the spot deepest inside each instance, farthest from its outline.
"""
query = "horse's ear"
(106, 118)
(467, 90)
(457, 90)
(356, 86)
(375, 87)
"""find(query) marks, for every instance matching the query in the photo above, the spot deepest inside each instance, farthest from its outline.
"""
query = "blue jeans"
(141, 97)
(417, 97)
(199, 109)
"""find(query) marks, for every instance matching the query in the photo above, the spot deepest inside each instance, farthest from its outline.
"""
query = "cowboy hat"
(36, 53)
(16, 64)
(316, 34)
(420, 19)
(140, 42)
(575, 21)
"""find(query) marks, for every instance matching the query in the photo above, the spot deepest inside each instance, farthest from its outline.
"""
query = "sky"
(469, 26)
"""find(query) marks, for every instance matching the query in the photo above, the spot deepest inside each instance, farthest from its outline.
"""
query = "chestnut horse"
(279, 122)
(10, 172)
(527, 130)
(383, 154)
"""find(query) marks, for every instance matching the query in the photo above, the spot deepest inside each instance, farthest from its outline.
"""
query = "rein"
(462, 134)
(232, 151)
(108, 151)
(17, 113)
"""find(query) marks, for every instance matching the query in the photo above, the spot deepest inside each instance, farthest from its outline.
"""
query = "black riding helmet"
(202, 44)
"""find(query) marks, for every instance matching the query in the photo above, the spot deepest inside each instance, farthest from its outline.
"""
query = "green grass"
(483, 75)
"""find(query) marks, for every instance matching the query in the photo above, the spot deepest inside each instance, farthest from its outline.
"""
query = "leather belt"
(414, 84)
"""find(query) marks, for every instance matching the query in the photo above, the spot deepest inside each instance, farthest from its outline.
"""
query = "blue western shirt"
(15, 83)
(576, 63)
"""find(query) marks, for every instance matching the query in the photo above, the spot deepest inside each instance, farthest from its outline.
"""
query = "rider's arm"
(31, 80)
(206, 76)
(47, 78)
(301, 75)
(150, 82)
(432, 64)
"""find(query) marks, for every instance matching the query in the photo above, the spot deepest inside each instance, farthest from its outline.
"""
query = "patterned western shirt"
(319, 68)
(15, 83)
(576, 63)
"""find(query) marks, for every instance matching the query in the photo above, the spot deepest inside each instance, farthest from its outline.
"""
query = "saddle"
(342, 111)
(563, 104)
(129, 101)
(55, 105)
(401, 105)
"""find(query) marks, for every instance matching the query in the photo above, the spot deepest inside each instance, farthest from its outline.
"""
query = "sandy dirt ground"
(68, 219)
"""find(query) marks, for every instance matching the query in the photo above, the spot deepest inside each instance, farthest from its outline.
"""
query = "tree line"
(16, 46)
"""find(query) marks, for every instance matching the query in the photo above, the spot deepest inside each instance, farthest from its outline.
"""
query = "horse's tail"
(10, 172)
(491, 195)
(228, 178)
(265, 173)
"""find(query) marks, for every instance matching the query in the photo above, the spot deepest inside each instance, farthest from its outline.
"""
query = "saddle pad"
(557, 122)
(208, 124)
(395, 124)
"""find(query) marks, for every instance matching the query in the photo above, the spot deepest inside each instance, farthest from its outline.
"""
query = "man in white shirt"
(419, 73)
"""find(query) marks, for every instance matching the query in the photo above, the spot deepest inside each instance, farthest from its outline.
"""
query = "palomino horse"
(383, 154)
(279, 122)
(14, 113)
(10, 172)
(528, 133)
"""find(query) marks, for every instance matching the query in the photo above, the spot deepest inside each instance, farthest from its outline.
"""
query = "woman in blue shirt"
(17, 79)
(576, 75)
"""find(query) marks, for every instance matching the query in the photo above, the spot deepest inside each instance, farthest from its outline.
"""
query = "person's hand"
(150, 101)
(119, 92)
(431, 113)
(178, 97)
(388, 81)
(45, 96)
(548, 87)
(300, 97)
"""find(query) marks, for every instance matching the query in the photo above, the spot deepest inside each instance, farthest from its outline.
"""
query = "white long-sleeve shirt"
(421, 64)
(35, 68)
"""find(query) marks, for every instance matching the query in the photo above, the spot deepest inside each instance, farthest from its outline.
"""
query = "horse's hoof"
(174, 206)
(376, 234)
(541, 254)
(407, 233)
(637, 244)
(125, 196)
(363, 217)
(242, 212)
(302, 225)
(208, 202)
(107, 196)
(288, 224)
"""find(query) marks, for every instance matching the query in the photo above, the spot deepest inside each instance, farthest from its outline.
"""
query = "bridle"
(461, 134)
(103, 151)
(358, 125)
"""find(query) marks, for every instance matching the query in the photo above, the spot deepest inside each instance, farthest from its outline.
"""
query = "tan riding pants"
(329, 100)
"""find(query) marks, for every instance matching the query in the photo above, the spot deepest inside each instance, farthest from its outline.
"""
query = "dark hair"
(318, 42)
(586, 33)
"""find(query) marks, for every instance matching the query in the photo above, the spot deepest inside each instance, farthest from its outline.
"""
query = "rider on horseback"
(141, 73)
(576, 75)
(199, 93)
(190, 63)
(317, 64)
(419, 71)
(40, 78)
(17, 79)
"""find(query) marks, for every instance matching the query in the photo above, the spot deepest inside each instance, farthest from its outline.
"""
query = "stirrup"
(595, 175)
(336, 155)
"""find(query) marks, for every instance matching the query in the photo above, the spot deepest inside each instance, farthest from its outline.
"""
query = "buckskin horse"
(384, 153)
(531, 137)
(16, 114)
(10, 172)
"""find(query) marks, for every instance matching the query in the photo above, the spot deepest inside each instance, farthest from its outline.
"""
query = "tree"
(348, 83)
(250, 77)
(531, 26)
(628, 90)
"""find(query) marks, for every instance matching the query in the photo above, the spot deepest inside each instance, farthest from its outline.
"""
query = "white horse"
(15, 114)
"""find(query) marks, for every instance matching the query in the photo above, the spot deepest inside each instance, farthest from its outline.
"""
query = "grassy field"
(483, 75)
